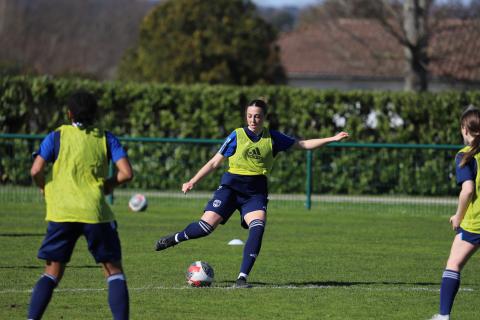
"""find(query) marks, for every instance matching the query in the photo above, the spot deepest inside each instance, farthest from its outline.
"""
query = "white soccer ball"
(200, 274)
(138, 202)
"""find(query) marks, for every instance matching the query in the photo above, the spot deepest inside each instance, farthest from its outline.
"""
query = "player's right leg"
(194, 230)
(218, 210)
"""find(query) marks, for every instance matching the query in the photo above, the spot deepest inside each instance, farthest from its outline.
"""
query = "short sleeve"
(47, 147)
(115, 148)
(229, 146)
(281, 142)
(467, 172)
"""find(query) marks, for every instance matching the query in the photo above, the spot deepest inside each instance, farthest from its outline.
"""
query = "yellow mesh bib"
(252, 158)
(471, 221)
(74, 188)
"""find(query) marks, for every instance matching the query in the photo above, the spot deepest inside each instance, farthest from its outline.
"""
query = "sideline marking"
(253, 288)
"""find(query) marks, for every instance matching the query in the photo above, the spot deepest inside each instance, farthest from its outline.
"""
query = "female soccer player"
(75, 199)
(466, 220)
(250, 151)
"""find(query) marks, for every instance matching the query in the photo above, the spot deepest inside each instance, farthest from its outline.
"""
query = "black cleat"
(165, 242)
(242, 283)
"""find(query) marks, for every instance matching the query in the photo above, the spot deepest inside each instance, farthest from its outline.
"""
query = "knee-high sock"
(252, 247)
(41, 295)
(448, 290)
(194, 230)
(118, 296)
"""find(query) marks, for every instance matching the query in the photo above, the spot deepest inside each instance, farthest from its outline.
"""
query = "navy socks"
(193, 231)
(41, 295)
(252, 247)
(118, 296)
(448, 290)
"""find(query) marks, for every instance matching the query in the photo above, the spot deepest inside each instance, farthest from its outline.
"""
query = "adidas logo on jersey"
(254, 153)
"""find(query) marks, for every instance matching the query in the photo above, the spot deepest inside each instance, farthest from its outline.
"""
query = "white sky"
(282, 3)
(302, 3)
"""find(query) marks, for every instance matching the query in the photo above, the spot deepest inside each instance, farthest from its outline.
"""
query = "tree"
(189, 41)
(413, 24)
(77, 37)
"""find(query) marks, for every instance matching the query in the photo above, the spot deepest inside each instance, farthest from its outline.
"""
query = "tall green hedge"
(37, 105)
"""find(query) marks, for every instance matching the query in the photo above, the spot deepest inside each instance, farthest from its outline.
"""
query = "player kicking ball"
(251, 151)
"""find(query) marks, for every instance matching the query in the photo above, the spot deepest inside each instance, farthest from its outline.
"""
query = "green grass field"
(333, 262)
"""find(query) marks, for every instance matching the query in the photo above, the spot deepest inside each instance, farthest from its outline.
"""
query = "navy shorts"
(102, 240)
(473, 238)
(226, 200)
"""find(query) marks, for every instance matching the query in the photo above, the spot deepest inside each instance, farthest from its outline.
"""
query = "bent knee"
(212, 218)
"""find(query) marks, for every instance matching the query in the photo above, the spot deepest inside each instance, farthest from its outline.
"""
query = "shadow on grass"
(43, 266)
(14, 235)
(321, 284)
(354, 283)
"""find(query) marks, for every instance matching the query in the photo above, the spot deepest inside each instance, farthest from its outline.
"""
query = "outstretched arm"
(211, 165)
(317, 143)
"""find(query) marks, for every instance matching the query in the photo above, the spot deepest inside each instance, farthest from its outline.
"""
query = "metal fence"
(341, 176)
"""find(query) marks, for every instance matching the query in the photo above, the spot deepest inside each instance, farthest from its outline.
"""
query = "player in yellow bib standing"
(250, 151)
(466, 220)
(75, 199)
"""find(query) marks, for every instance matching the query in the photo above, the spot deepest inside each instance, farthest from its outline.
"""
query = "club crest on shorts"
(217, 203)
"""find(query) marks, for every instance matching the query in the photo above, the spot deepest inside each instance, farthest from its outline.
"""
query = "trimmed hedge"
(37, 105)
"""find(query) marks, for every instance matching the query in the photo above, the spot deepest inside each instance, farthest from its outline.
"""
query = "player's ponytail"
(470, 121)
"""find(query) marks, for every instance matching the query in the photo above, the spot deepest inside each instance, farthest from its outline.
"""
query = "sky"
(301, 3)
(282, 3)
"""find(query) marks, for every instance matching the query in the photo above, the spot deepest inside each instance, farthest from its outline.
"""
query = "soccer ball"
(200, 274)
(138, 202)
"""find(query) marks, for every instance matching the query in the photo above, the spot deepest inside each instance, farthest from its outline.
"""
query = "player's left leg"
(256, 225)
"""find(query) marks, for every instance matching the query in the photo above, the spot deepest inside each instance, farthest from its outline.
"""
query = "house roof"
(362, 48)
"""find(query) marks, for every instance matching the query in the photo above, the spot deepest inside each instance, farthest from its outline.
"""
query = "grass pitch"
(348, 262)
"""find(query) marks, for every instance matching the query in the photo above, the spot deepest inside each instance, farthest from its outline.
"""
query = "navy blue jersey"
(467, 172)
(50, 147)
(251, 184)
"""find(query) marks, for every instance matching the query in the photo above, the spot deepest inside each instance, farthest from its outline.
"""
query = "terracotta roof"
(363, 48)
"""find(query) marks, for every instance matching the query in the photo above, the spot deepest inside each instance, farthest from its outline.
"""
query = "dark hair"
(83, 106)
(470, 120)
(258, 103)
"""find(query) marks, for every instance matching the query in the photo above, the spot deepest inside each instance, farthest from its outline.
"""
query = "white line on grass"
(290, 287)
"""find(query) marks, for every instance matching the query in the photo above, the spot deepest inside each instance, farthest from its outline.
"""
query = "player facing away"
(466, 220)
(251, 151)
(75, 202)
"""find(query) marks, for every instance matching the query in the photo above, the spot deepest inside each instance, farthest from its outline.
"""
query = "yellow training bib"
(74, 188)
(471, 221)
(252, 158)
